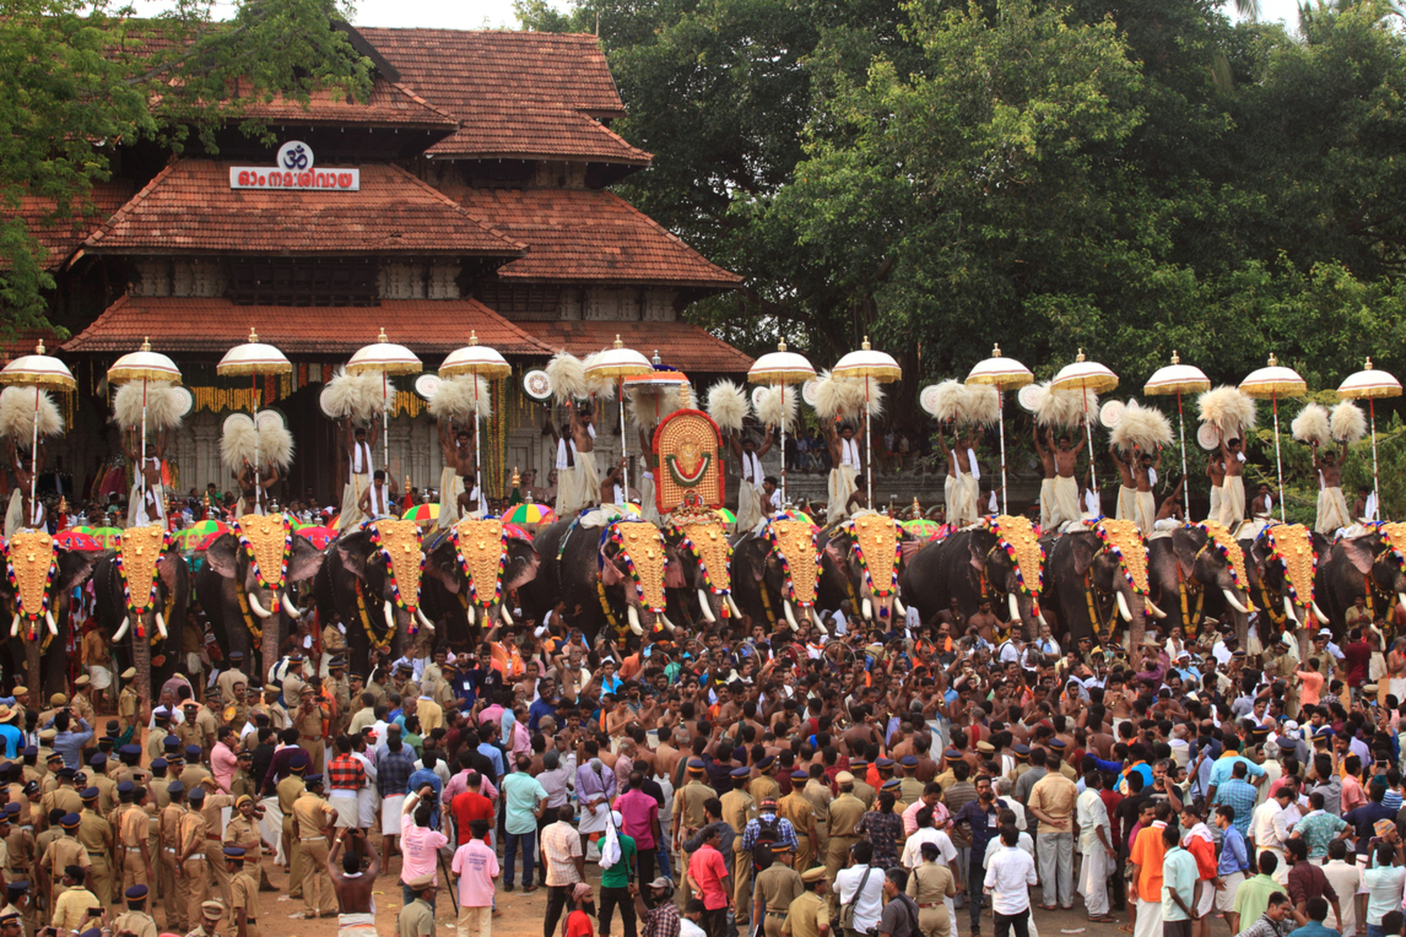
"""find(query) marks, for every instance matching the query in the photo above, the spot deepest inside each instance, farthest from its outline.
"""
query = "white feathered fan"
(17, 413)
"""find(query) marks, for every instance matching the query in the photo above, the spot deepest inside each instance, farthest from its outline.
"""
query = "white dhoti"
(351, 496)
(271, 826)
(647, 500)
(366, 807)
(1093, 880)
(1232, 502)
(1208, 898)
(578, 487)
(1333, 513)
(594, 822)
(356, 924)
(1066, 502)
(390, 814)
(1145, 512)
(1126, 509)
(100, 677)
(142, 512)
(961, 493)
(749, 505)
(1214, 513)
(450, 487)
(840, 488)
(1047, 501)
(344, 802)
(1225, 898)
(1149, 919)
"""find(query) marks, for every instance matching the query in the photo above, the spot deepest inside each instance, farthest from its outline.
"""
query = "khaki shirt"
(818, 793)
(738, 809)
(845, 812)
(244, 894)
(192, 833)
(764, 788)
(61, 798)
(289, 790)
(243, 832)
(866, 793)
(777, 886)
(133, 827)
(63, 852)
(127, 703)
(95, 833)
(169, 829)
(688, 805)
(226, 681)
(138, 922)
(416, 919)
(805, 916)
(1054, 794)
(159, 795)
(213, 809)
(107, 793)
(312, 815)
(798, 809)
(192, 775)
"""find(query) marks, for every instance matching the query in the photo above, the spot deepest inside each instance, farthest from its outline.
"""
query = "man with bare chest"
(457, 476)
(1044, 450)
(1066, 486)
(961, 488)
(986, 623)
(1332, 505)
(1232, 495)
(578, 479)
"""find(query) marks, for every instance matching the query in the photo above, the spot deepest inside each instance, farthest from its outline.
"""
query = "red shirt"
(471, 806)
(707, 869)
(1358, 654)
(345, 772)
(578, 924)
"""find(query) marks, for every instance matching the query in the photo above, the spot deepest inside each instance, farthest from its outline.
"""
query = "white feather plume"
(163, 409)
(1144, 427)
(983, 404)
(237, 441)
(275, 443)
(650, 404)
(1038, 397)
(951, 400)
(359, 396)
(727, 405)
(1065, 408)
(843, 398)
(1348, 423)
(455, 399)
(17, 411)
(1311, 425)
(602, 387)
(568, 376)
(769, 407)
(1228, 409)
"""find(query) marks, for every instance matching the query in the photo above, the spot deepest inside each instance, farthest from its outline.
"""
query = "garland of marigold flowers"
(126, 587)
(381, 643)
(26, 614)
(375, 536)
(1097, 524)
(276, 585)
(464, 568)
(786, 565)
(878, 591)
(613, 531)
(993, 524)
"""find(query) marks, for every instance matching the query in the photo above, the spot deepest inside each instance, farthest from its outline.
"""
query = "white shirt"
(1268, 826)
(1092, 814)
(1346, 879)
(752, 468)
(1024, 842)
(1008, 879)
(913, 847)
(870, 902)
(689, 929)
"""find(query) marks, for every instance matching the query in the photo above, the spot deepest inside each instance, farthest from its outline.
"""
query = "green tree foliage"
(78, 80)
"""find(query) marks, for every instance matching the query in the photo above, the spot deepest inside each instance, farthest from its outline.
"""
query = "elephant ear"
(442, 565)
(354, 552)
(673, 570)
(75, 566)
(523, 563)
(169, 568)
(223, 556)
(305, 561)
(1084, 549)
(976, 552)
(1358, 551)
(1186, 545)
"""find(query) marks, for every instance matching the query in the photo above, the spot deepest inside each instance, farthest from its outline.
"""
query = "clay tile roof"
(679, 344)
(589, 235)
(190, 208)
(63, 237)
(519, 94)
(213, 326)
(24, 342)
(389, 103)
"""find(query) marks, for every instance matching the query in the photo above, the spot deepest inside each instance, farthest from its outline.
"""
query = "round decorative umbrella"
(146, 366)
(318, 536)
(726, 516)
(1177, 378)
(1275, 381)
(254, 358)
(872, 366)
(109, 537)
(921, 527)
(73, 539)
(477, 361)
(1371, 383)
(40, 371)
(423, 513)
(619, 362)
(632, 508)
(530, 512)
(779, 368)
(1003, 374)
(1086, 376)
(384, 357)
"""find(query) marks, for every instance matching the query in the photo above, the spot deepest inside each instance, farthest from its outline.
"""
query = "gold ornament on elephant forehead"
(141, 551)
(1394, 534)
(267, 536)
(1132, 550)
(480, 546)
(31, 558)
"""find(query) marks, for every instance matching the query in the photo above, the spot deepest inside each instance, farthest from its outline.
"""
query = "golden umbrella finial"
(253, 336)
(1080, 355)
(517, 479)
(996, 351)
(1365, 367)
(382, 337)
(865, 344)
(618, 343)
(39, 350)
(146, 343)
(1176, 358)
(473, 336)
(1273, 361)
(781, 345)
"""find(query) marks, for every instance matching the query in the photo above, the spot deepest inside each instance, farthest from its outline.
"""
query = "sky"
(494, 14)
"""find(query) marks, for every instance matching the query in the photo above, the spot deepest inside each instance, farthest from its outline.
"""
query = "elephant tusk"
(49, 620)
(1318, 612)
(424, 621)
(1289, 610)
(15, 626)
(791, 616)
(161, 625)
(633, 617)
(1013, 605)
(121, 632)
(1041, 616)
(737, 612)
(706, 606)
(506, 615)
(819, 622)
(868, 608)
(471, 613)
(1233, 602)
(667, 623)
(390, 615)
(1123, 607)
(1401, 597)
(898, 607)
(1156, 612)
(257, 607)
(290, 608)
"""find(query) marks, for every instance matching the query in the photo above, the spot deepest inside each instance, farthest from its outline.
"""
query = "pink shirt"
(419, 846)
(223, 764)
(459, 783)
(910, 816)
(477, 866)
(1352, 793)
(638, 813)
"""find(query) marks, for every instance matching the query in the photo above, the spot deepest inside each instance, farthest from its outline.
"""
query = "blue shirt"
(419, 779)
(1221, 770)
(492, 753)
(1314, 929)
(1240, 794)
(537, 710)
(1362, 818)
(70, 744)
(1233, 855)
(14, 740)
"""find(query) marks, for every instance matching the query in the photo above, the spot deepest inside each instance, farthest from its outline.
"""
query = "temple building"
(469, 193)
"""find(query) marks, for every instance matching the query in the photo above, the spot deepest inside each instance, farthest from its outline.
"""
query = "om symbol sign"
(295, 155)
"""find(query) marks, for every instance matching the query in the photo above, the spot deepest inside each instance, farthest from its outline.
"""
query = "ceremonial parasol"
(619, 362)
(384, 357)
(1003, 374)
(476, 361)
(726, 516)
(254, 358)
(318, 536)
(74, 539)
(144, 365)
(779, 368)
(1274, 381)
(1177, 378)
(872, 366)
(423, 513)
(1086, 376)
(921, 527)
(40, 371)
(1371, 383)
(530, 512)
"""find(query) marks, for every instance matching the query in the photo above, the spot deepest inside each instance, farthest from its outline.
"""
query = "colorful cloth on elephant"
(1232, 502)
(961, 493)
(1047, 502)
(1333, 512)
(840, 488)
(451, 486)
(1066, 502)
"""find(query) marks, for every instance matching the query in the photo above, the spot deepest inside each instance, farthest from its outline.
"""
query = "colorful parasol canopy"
(423, 513)
(143, 364)
(530, 512)
(74, 539)
(726, 516)
(1370, 382)
(921, 527)
(513, 530)
(1177, 378)
(109, 537)
(477, 359)
(619, 362)
(253, 357)
(781, 367)
(1001, 372)
(384, 356)
(38, 370)
(318, 536)
(1274, 380)
(632, 508)
(866, 362)
(1084, 375)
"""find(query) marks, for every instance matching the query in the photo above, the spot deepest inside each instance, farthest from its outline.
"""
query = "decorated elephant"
(1198, 572)
(470, 571)
(141, 591)
(999, 560)
(1098, 575)
(244, 585)
(609, 568)
(1284, 568)
(699, 542)
(1370, 567)
(866, 550)
(776, 572)
(40, 578)
(371, 582)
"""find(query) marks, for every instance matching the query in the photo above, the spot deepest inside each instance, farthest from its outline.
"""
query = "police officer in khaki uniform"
(339, 687)
(798, 809)
(244, 892)
(95, 833)
(811, 911)
(192, 873)
(62, 795)
(689, 818)
(867, 794)
(107, 787)
(82, 704)
(739, 809)
(135, 920)
(243, 831)
(211, 913)
(211, 805)
(127, 701)
(764, 785)
(289, 790)
(170, 819)
(845, 812)
(313, 820)
(307, 719)
(777, 886)
(235, 674)
(133, 830)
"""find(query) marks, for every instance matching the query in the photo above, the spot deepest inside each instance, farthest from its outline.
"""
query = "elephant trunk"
(272, 638)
